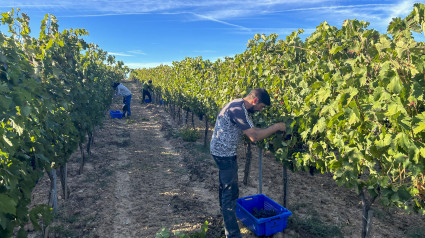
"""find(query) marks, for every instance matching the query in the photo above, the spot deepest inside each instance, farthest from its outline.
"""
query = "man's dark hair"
(115, 84)
(150, 81)
(262, 95)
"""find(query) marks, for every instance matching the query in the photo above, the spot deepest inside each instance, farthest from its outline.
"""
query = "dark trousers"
(126, 109)
(146, 93)
(228, 193)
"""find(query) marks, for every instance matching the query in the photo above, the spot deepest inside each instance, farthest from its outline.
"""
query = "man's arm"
(256, 134)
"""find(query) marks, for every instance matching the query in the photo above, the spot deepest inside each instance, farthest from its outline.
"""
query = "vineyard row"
(54, 91)
(352, 98)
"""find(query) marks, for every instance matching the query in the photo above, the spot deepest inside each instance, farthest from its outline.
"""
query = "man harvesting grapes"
(231, 123)
(147, 88)
(123, 91)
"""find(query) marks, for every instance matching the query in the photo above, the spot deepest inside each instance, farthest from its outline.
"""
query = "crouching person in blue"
(232, 121)
(123, 91)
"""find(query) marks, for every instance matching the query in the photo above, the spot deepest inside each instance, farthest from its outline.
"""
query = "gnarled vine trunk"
(64, 180)
(367, 214)
(53, 197)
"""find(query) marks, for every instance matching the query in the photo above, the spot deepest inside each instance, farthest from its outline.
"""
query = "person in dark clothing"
(147, 88)
(233, 121)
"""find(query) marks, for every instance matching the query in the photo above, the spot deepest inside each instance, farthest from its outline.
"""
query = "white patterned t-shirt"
(122, 90)
(231, 121)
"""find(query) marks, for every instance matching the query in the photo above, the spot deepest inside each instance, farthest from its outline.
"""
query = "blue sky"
(147, 33)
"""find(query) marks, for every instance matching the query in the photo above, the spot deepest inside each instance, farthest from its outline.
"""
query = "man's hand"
(281, 127)
(257, 134)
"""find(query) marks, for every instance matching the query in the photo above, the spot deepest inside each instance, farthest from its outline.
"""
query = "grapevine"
(53, 91)
(351, 96)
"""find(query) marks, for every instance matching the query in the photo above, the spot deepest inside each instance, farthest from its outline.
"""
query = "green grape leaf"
(320, 126)
(421, 123)
(395, 85)
(7, 204)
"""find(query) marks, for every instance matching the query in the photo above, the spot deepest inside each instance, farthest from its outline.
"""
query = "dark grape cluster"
(263, 213)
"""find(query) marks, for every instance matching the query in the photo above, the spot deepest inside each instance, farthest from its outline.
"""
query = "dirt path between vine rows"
(136, 182)
(142, 177)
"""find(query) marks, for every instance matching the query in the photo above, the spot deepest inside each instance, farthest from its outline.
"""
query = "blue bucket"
(115, 114)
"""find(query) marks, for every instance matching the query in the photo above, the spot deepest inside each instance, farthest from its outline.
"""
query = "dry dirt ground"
(142, 177)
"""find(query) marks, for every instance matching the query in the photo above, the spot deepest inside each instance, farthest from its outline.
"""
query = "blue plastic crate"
(115, 114)
(263, 226)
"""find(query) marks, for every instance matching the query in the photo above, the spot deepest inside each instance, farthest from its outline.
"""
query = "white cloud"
(27, 5)
(401, 9)
(215, 9)
(219, 21)
(119, 54)
(100, 14)
(137, 52)
(379, 13)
